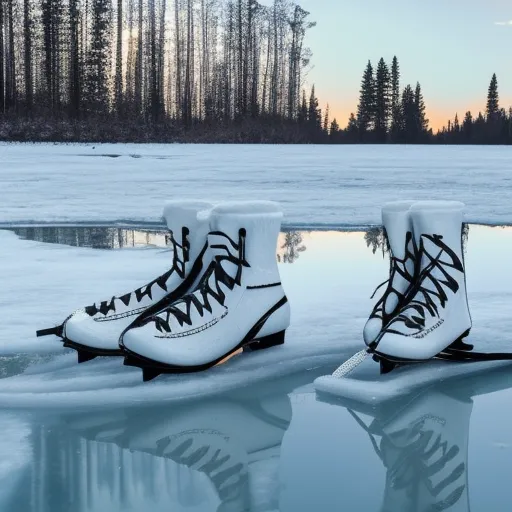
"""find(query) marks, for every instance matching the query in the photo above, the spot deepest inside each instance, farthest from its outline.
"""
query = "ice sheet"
(317, 185)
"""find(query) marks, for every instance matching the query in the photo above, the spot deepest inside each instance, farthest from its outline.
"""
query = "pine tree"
(492, 99)
(421, 120)
(382, 101)
(326, 119)
(314, 113)
(303, 109)
(334, 133)
(366, 108)
(352, 129)
(409, 124)
(467, 127)
(395, 99)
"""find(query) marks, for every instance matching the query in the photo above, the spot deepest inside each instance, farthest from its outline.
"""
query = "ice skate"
(402, 264)
(94, 330)
(435, 314)
(240, 302)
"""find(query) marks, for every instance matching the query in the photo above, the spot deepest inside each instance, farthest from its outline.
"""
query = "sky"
(452, 47)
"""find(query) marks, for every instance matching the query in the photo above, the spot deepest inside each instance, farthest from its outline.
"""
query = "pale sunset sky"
(452, 47)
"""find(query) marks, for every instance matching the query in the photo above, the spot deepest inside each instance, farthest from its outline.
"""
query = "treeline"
(492, 127)
(386, 113)
(129, 68)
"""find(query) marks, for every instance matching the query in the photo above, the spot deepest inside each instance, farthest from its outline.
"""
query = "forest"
(196, 71)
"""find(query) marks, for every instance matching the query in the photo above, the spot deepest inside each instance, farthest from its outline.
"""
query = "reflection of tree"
(86, 236)
(292, 247)
(376, 238)
(465, 236)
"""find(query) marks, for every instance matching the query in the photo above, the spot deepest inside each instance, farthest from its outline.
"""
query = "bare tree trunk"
(188, 68)
(179, 95)
(27, 25)
(74, 58)
(139, 85)
(161, 59)
(2, 60)
(119, 58)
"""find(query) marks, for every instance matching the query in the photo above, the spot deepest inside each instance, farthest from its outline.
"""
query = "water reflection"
(291, 248)
(376, 238)
(290, 244)
(94, 237)
(217, 455)
(422, 441)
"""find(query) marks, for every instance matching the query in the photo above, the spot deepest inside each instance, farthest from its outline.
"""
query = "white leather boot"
(240, 303)
(95, 330)
(435, 314)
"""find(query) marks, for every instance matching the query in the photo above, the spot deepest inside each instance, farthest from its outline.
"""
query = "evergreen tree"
(303, 109)
(396, 114)
(326, 120)
(314, 113)
(352, 129)
(366, 108)
(467, 127)
(409, 123)
(421, 120)
(334, 133)
(383, 99)
(492, 99)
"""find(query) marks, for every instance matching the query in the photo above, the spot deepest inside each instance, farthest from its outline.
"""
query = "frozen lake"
(250, 435)
(318, 186)
(82, 222)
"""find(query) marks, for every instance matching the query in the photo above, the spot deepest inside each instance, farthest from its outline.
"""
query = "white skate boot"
(435, 315)
(94, 330)
(397, 223)
(240, 302)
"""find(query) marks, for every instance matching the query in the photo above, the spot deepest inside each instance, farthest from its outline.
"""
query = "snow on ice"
(318, 186)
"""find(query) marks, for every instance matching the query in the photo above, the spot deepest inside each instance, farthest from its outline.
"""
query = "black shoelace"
(181, 255)
(204, 293)
(398, 267)
(421, 300)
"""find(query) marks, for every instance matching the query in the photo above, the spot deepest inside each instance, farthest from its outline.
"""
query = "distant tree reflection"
(376, 238)
(98, 237)
(292, 247)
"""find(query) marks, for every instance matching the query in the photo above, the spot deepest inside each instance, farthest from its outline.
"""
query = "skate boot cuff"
(180, 213)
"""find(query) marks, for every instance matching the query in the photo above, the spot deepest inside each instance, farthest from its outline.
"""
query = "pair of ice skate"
(222, 293)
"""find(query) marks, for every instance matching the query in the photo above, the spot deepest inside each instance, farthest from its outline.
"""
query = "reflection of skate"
(221, 455)
(423, 443)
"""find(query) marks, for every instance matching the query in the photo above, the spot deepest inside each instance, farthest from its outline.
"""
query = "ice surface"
(365, 384)
(328, 288)
(317, 185)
